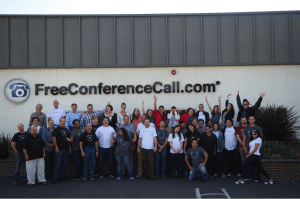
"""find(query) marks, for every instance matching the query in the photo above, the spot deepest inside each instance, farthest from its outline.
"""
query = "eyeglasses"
(245, 104)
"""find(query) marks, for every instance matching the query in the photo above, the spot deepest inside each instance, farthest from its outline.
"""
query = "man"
(201, 114)
(34, 151)
(50, 149)
(149, 147)
(168, 156)
(209, 143)
(160, 155)
(245, 110)
(239, 131)
(89, 151)
(130, 131)
(195, 122)
(17, 145)
(198, 171)
(71, 116)
(201, 128)
(62, 149)
(105, 149)
(95, 124)
(35, 122)
(246, 139)
(56, 113)
(173, 117)
(140, 157)
(86, 118)
(74, 139)
(42, 116)
(160, 114)
(167, 127)
(183, 129)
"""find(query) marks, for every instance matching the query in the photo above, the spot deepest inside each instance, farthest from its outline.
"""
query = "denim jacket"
(221, 141)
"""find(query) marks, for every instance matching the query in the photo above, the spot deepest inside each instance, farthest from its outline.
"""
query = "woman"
(192, 134)
(150, 114)
(122, 151)
(231, 148)
(187, 117)
(218, 157)
(122, 114)
(136, 117)
(176, 143)
(112, 117)
(254, 158)
(227, 113)
(216, 112)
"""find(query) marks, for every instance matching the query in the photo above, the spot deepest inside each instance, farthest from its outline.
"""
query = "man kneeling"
(198, 171)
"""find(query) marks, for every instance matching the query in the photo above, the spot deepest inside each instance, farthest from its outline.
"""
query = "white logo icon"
(90, 138)
(17, 90)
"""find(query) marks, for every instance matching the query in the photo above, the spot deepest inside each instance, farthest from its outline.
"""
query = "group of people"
(189, 143)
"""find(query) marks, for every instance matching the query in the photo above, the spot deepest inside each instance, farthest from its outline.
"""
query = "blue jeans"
(49, 160)
(19, 158)
(60, 163)
(90, 155)
(126, 161)
(218, 158)
(106, 152)
(160, 156)
(198, 173)
(77, 163)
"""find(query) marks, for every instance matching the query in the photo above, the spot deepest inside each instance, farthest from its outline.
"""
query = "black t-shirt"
(34, 146)
(19, 140)
(94, 128)
(61, 133)
(209, 143)
(190, 137)
(88, 140)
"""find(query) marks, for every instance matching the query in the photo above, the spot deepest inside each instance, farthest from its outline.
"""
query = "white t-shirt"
(201, 116)
(147, 135)
(252, 145)
(216, 134)
(176, 142)
(56, 114)
(104, 134)
(230, 139)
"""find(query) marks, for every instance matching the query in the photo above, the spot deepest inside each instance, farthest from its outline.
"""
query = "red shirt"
(239, 131)
(158, 117)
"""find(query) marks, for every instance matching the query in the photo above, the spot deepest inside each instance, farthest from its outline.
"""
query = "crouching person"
(34, 151)
(198, 171)
(89, 151)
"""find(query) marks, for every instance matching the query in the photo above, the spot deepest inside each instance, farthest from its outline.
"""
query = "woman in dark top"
(227, 113)
(192, 134)
(112, 117)
(150, 115)
(216, 112)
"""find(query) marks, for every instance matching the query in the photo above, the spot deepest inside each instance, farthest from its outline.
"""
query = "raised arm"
(143, 107)
(208, 104)
(257, 104)
(220, 110)
(238, 101)
(155, 98)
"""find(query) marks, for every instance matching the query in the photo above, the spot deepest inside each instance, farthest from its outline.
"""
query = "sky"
(142, 6)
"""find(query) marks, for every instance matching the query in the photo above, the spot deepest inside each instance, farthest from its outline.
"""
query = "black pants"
(177, 159)
(255, 160)
(232, 161)
(209, 164)
(148, 159)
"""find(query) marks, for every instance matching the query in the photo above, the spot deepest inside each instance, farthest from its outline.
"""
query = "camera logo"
(17, 90)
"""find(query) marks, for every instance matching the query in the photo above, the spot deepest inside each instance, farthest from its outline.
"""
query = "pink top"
(136, 122)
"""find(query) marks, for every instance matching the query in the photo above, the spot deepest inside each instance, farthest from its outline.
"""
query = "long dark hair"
(133, 116)
(153, 115)
(125, 134)
(213, 111)
(188, 129)
(231, 109)
(257, 133)
(179, 133)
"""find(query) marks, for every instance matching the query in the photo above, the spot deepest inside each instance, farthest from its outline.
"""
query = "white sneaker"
(239, 175)
(139, 175)
(229, 174)
(100, 176)
(269, 182)
(118, 178)
(132, 178)
(215, 175)
(111, 176)
(240, 182)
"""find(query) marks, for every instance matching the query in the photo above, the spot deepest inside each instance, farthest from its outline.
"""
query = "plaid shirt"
(86, 118)
(43, 119)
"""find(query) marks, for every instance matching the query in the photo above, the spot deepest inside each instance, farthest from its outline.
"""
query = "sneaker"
(223, 175)
(83, 179)
(111, 176)
(256, 180)
(240, 182)
(100, 176)
(132, 178)
(229, 174)
(15, 183)
(247, 179)
(216, 174)
(77, 178)
(269, 182)
(238, 174)
(92, 179)
(118, 178)
(185, 174)
(163, 177)
(138, 175)
(96, 175)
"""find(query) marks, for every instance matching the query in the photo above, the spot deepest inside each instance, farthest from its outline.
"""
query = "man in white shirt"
(149, 147)
(105, 149)
(56, 113)
(201, 114)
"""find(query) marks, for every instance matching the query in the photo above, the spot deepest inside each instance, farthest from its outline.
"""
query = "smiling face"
(251, 120)
(201, 107)
(216, 109)
(177, 129)
(194, 144)
(38, 108)
(35, 122)
(21, 127)
(108, 109)
(254, 134)
(207, 129)
(191, 128)
(228, 107)
(201, 123)
(55, 104)
(191, 112)
(33, 131)
(215, 127)
(150, 113)
(228, 123)
(62, 122)
(76, 124)
(90, 109)
(74, 108)
(245, 105)
(136, 112)
(123, 107)
(88, 127)
(121, 132)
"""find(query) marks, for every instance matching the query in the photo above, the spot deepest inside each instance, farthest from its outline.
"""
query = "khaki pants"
(33, 167)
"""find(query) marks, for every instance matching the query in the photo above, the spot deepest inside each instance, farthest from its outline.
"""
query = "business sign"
(17, 90)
